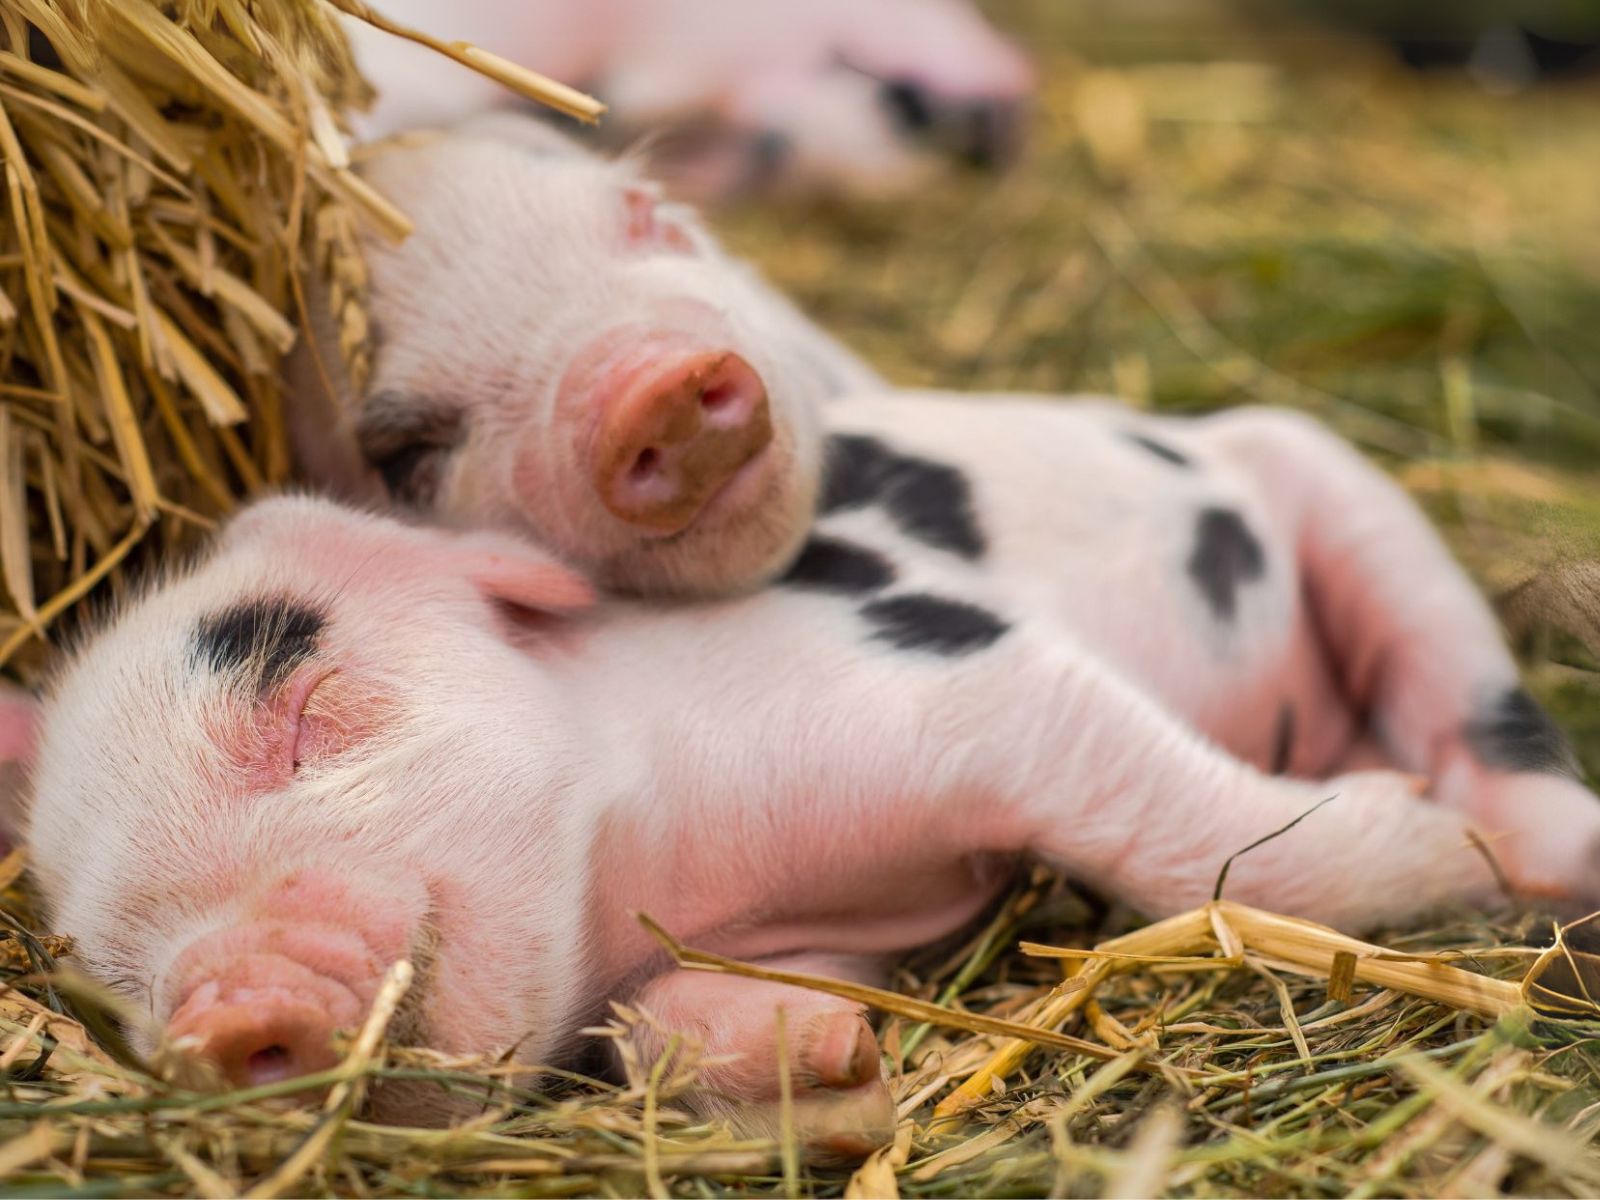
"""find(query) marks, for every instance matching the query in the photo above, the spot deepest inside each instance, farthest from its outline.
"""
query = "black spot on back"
(930, 501)
(838, 566)
(1515, 734)
(1283, 740)
(920, 621)
(263, 638)
(1226, 556)
(1160, 449)
(856, 471)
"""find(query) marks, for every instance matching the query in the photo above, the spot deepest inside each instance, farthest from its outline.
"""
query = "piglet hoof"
(842, 1107)
(1544, 833)
(845, 1124)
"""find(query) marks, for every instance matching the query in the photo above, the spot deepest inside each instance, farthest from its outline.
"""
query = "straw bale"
(170, 169)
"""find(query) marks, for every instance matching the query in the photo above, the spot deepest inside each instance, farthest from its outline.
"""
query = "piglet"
(1310, 634)
(338, 740)
(864, 97)
(559, 350)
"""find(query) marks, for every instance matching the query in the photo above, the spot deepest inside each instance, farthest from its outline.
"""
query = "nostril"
(670, 435)
(646, 465)
(718, 397)
(270, 1064)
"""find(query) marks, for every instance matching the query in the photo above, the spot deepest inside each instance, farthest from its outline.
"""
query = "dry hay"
(1189, 234)
(166, 182)
(1223, 1052)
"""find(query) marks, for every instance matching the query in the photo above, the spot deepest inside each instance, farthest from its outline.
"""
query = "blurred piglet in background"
(861, 97)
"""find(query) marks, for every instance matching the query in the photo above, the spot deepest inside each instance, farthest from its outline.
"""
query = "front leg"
(1418, 650)
(841, 1100)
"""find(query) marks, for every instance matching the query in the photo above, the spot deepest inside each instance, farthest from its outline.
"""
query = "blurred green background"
(1228, 203)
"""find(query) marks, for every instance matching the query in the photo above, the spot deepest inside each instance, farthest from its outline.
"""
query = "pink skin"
(842, 1104)
(763, 775)
(1413, 643)
(668, 425)
(787, 95)
(262, 999)
(615, 330)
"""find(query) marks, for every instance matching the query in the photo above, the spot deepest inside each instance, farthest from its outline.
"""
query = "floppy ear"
(650, 223)
(342, 542)
(517, 573)
(19, 738)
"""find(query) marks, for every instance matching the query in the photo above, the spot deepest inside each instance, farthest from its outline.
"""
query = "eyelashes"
(408, 439)
(412, 472)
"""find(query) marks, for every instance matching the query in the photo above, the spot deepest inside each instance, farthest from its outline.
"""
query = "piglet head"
(564, 352)
(948, 81)
(325, 747)
(899, 89)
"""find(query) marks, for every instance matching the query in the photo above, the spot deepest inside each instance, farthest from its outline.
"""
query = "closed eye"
(411, 472)
(324, 713)
(407, 440)
(302, 728)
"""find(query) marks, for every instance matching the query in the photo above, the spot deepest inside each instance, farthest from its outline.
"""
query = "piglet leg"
(1419, 651)
(841, 1102)
(1125, 796)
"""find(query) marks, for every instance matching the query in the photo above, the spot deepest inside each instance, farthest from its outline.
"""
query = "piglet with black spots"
(338, 741)
(1248, 572)
(861, 97)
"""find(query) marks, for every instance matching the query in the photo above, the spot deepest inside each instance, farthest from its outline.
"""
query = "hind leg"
(1419, 651)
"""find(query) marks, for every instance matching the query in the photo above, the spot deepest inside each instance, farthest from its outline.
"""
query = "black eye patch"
(908, 103)
(261, 639)
(404, 437)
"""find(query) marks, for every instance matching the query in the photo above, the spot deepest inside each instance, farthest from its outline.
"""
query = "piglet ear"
(341, 543)
(19, 738)
(516, 573)
(650, 224)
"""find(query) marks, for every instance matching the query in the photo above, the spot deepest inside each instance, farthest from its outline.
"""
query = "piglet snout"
(674, 431)
(263, 1018)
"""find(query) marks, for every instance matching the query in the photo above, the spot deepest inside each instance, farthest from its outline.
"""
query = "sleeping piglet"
(860, 97)
(339, 740)
(559, 350)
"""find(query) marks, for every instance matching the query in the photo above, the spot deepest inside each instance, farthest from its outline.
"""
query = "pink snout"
(673, 432)
(262, 1018)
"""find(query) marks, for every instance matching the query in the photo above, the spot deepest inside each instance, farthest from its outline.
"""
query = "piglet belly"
(904, 906)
